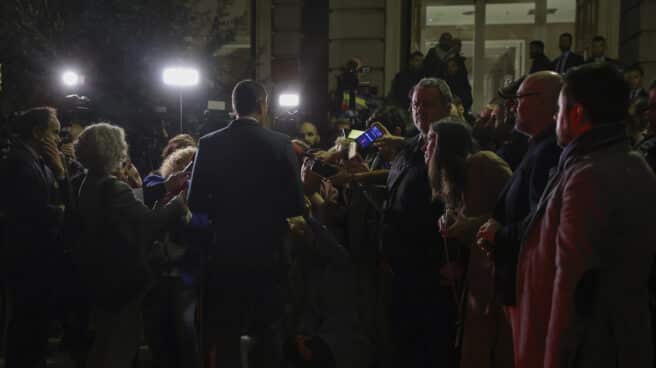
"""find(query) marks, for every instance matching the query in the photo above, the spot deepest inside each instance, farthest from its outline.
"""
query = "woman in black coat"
(117, 230)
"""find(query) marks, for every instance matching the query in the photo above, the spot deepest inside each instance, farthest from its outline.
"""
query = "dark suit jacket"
(31, 199)
(435, 62)
(247, 180)
(540, 63)
(460, 87)
(411, 239)
(572, 60)
(520, 196)
(401, 86)
(647, 148)
(608, 60)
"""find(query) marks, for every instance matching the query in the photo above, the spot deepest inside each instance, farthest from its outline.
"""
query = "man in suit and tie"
(247, 180)
(567, 58)
(634, 75)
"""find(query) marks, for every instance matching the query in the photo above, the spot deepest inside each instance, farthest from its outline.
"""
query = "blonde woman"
(170, 177)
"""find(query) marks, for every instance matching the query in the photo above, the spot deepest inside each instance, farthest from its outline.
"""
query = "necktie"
(563, 63)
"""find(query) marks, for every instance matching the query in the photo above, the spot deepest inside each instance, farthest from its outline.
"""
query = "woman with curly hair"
(116, 231)
(170, 176)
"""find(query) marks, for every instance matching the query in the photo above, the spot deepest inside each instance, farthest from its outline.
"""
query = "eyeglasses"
(518, 96)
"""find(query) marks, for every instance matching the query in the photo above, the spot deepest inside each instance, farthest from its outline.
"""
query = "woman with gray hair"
(116, 231)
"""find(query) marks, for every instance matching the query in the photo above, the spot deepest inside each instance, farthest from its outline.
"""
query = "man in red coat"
(584, 263)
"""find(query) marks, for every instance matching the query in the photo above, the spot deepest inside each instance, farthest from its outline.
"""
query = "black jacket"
(117, 233)
(411, 239)
(435, 62)
(401, 86)
(32, 200)
(540, 62)
(613, 62)
(520, 196)
(572, 60)
(247, 180)
(460, 87)
(513, 149)
(647, 148)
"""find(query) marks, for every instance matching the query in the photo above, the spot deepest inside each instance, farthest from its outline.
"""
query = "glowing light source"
(289, 100)
(180, 77)
(71, 78)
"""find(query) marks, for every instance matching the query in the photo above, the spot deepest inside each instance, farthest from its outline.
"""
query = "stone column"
(392, 42)
(479, 56)
(263, 41)
(638, 35)
(540, 28)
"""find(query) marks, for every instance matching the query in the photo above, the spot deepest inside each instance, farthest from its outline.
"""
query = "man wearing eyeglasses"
(537, 105)
(647, 146)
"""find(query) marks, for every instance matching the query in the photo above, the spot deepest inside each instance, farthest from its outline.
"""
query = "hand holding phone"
(369, 136)
(388, 142)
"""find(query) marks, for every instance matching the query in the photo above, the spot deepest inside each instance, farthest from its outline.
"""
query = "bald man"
(537, 99)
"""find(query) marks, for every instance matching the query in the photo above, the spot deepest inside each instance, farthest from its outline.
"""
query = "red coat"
(582, 299)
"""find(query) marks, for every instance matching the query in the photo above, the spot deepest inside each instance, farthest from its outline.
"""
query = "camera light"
(180, 77)
(71, 78)
(288, 100)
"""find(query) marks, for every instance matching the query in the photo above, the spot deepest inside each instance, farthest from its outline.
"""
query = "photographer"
(34, 181)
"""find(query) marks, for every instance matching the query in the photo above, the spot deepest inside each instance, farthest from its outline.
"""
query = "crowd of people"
(518, 238)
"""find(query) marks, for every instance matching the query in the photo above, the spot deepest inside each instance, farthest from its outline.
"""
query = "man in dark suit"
(540, 60)
(247, 180)
(420, 319)
(598, 53)
(537, 104)
(33, 200)
(634, 75)
(567, 58)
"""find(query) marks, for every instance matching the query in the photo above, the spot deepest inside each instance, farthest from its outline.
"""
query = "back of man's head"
(247, 98)
(601, 90)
